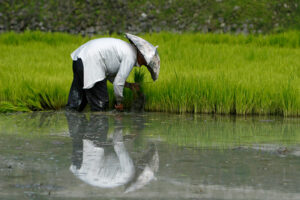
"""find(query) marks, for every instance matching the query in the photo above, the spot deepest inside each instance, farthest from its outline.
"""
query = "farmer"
(108, 59)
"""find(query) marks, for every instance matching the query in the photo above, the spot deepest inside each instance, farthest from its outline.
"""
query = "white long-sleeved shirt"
(105, 169)
(106, 58)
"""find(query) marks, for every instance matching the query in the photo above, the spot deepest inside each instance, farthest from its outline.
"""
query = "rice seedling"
(200, 73)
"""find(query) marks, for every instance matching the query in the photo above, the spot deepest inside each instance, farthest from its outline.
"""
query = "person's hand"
(119, 107)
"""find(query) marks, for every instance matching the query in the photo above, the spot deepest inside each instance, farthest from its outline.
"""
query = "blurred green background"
(118, 16)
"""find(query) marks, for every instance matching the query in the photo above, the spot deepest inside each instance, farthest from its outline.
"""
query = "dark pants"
(97, 96)
(81, 128)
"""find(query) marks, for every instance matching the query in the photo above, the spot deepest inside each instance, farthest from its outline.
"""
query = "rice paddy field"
(200, 73)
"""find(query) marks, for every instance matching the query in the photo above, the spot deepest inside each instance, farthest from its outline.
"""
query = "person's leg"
(77, 97)
(77, 124)
(97, 96)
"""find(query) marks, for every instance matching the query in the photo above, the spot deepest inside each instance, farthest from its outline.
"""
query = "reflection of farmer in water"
(108, 59)
(97, 162)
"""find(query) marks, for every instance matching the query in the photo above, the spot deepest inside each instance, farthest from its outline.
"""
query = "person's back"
(103, 58)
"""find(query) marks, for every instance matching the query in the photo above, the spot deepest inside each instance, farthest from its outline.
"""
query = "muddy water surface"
(65, 155)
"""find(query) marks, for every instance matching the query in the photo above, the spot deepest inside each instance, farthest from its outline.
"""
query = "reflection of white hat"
(149, 52)
(144, 177)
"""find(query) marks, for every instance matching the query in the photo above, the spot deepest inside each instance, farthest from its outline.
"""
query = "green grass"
(200, 73)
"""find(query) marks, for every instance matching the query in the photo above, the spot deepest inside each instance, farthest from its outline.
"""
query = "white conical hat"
(148, 51)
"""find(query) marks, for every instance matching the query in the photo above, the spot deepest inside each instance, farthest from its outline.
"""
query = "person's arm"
(120, 81)
(132, 86)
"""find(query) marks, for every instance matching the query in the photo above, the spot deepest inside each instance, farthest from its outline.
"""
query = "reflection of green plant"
(203, 131)
(33, 124)
(222, 132)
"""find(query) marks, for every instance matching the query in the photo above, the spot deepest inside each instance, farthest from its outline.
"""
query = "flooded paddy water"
(66, 155)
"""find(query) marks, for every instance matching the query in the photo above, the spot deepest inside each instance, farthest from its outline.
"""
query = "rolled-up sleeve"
(123, 73)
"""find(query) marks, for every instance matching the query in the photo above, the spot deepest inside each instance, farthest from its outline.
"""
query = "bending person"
(108, 59)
